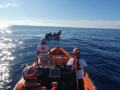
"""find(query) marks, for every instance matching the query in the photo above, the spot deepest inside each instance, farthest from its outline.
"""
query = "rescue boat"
(54, 68)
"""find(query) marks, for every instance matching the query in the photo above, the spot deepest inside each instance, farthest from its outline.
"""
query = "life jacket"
(20, 87)
(77, 63)
(54, 88)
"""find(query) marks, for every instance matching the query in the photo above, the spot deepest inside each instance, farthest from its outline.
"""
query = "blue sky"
(66, 13)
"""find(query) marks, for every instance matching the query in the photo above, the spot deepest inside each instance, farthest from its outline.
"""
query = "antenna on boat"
(57, 49)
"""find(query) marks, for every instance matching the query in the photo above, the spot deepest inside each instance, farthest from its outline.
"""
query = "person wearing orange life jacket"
(81, 64)
(30, 76)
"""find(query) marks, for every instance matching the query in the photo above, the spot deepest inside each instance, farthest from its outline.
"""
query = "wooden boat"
(54, 68)
(54, 36)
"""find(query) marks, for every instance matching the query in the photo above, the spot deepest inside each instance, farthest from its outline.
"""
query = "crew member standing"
(43, 48)
(81, 66)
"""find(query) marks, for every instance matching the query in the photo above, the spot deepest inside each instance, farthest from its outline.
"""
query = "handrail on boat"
(56, 59)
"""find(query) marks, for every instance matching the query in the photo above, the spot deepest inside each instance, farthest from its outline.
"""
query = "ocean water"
(99, 47)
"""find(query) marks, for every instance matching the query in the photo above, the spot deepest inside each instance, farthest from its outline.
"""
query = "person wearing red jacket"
(81, 66)
(30, 76)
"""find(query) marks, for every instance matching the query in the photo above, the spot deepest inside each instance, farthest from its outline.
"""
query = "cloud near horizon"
(62, 23)
(8, 5)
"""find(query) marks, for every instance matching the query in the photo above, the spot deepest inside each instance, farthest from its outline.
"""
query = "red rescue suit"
(20, 87)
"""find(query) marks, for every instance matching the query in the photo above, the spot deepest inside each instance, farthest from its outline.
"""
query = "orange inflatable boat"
(54, 68)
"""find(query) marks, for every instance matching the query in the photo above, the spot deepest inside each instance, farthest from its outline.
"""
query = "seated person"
(58, 33)
(30, 76)
(50, 34)
(54, 34)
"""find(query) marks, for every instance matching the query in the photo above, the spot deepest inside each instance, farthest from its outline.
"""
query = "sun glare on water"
(6, 56)
(4, 26)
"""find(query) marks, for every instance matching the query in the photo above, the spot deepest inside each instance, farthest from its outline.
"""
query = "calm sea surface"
(99, 47)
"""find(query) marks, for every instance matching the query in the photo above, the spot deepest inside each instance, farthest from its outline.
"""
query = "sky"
(61, 13)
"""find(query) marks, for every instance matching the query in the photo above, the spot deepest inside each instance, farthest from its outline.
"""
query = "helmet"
(43, 41)
(29, 72)
(76, 51)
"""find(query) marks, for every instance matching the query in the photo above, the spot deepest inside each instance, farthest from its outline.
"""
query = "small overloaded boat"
(54, 68)
(53, 36)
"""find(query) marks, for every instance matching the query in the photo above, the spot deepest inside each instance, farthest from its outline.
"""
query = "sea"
(99, 47)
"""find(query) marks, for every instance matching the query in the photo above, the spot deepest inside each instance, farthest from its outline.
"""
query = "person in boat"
(81, 64)
(54, 34)
(43, 48)
(46, 35)
(50, 34)
(60, 31)
(30, 76)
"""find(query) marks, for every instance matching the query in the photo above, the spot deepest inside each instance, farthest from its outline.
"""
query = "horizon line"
(63, 26)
